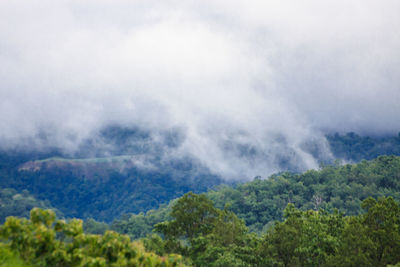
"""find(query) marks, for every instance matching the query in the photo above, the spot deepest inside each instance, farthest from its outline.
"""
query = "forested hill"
(261, 202)
(14, 203)
(105, 189)
(353, 147)
(119, 171)
(212, 226)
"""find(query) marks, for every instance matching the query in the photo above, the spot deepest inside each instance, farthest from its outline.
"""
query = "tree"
(43, 241)
(209, 236)
(383, 223)
(193, 215)
(305, 238)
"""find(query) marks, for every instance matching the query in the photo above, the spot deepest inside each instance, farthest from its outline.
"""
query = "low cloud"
(247, 83)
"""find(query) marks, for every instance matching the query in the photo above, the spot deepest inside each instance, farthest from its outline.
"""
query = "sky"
(245, 82)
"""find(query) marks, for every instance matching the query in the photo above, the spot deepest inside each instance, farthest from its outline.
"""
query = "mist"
(245, 83)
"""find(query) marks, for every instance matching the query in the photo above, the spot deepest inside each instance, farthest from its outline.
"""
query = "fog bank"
(246, 83)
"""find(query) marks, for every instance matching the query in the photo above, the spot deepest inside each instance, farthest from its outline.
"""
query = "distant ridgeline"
(122, 171)
(105, 188)
(352, 147)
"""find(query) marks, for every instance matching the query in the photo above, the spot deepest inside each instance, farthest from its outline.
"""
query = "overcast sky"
(225, 73)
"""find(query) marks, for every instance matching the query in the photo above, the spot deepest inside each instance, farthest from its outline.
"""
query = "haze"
(266, 77)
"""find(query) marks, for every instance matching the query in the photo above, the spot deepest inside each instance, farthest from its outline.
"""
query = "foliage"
(261, 202)
(305, 238)
(341, 187)
(96, 182)
(13, 203)
(214, 237)
(43, 241)
(207, 235)
(317, 238)
(9, 258)
(193, 215)
(355, 148)
(371, 239)
(100, 181)
(139, 225)
(114, 172)
(102, 190)
(91, 226)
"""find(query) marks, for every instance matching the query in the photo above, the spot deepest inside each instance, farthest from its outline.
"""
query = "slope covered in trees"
(13, 203)
(353, 147)
(115, 172)
(207, 236)
(261, 202)
(102, 189)
(321, 217)
(107, 176)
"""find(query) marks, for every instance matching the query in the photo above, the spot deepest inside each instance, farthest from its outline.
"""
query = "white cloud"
(228, 73)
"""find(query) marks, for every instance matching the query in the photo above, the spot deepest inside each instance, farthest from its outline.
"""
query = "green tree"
(373, 238)
(305, 238)
(43, 241)
(193, 215)
(383, 223)
(209, 236)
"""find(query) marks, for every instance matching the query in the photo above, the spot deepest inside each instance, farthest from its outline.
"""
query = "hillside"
(123, 171)
(353, 147)
(261, 202)
(316, 217)
(102, 191)
(13, 203)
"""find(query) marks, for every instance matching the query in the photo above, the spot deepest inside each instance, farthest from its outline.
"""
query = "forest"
(199, 234)
(107, 188)
(343, 213)
(261, 202)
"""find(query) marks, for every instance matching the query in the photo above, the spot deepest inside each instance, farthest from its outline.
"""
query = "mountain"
(120, 171)
(127, 170)
(354, 148)
(106, 188)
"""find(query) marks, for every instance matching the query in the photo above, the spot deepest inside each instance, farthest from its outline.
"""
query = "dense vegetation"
(44, 241)
(323, 217)
(100, 190)
(341, 187)
(261, 202)
(103, 179)
(13, 203)
(217, 237)
(9, 258)
(354, 148)
(317, 238)
(208, 236)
